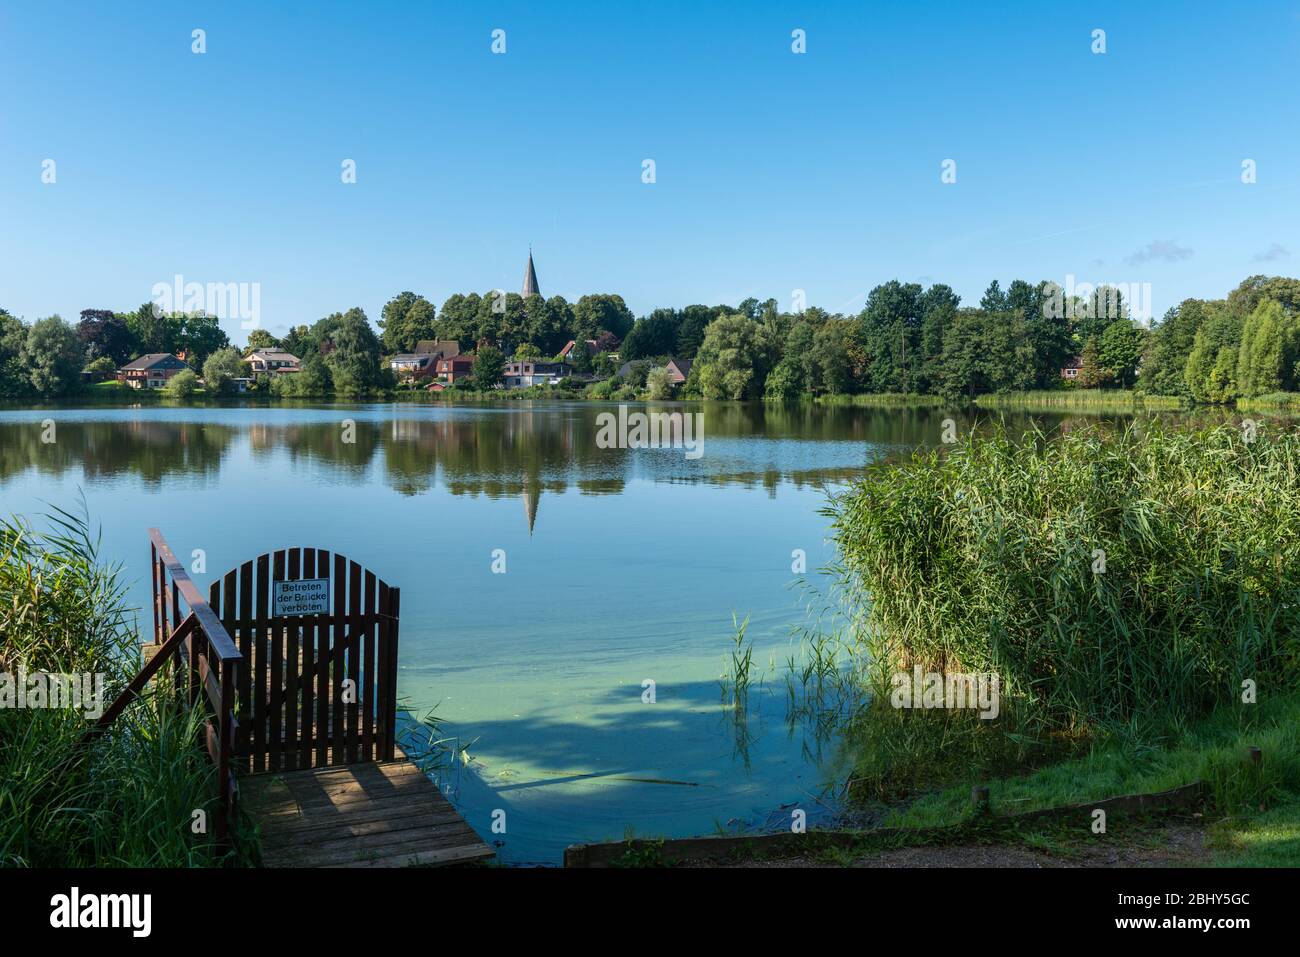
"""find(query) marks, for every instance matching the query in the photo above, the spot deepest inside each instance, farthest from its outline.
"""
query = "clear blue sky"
(775, 171)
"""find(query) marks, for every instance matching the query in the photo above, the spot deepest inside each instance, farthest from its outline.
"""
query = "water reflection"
(520, 450)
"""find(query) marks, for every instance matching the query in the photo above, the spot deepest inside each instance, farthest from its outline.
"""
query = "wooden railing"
(206, 664)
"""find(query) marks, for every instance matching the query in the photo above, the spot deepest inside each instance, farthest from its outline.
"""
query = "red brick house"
(150, 371)
(451, 368)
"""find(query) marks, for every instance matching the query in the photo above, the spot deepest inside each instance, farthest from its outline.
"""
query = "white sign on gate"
(310, 596)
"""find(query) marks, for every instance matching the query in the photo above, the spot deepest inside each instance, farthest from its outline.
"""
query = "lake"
(620, 566)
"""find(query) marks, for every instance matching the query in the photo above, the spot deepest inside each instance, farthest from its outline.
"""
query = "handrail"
(208, 659)
(211, 625)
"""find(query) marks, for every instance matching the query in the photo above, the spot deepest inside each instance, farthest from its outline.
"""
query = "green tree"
(1120, 351)
(939, 305)
(1091, 372)
(313, 380)
(600, 311)
(786, 380)
(1245, 299)
(832, 368)
(1169, 346)
(659, 383)
(405, 320)
(353, 353)
(653, 336)
(1211, 369)
(182, 385)
(489, 368)
(221, 368)
(104, 333)
(1047, 328)
(546, 323)
(14, 382)
(890, 334)
(200, 336)
(985, 352)
(734, 359)
(690, 333)
(458, 318)
(1268, 352)
(261, 339)
(153, 331)
(52, 357)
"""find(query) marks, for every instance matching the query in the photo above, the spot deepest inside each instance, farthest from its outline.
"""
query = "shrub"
(182, 385)
(128, 800)
(1110, 578)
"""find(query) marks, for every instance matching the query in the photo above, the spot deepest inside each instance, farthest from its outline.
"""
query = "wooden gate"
(318, 637)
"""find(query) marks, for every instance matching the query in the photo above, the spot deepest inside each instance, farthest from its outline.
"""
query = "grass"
(130, 798)
(1122, 583)
(1212, 750)
(1273, 402)
(1122, 400)
(888, 399)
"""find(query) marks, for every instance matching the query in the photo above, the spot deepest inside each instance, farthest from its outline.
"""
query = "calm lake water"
(621, 566)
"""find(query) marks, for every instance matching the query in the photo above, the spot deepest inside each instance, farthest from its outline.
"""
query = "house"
(274, 361)
(413, 364)
(150, 371)
(450, 369)
(441, 348)
(423, 360)
(527, 372)
(678, 370)
(567, 352)
(1071, 370)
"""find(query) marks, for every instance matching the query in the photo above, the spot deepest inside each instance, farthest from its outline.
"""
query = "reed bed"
(1118, 581)
(884, 399)
(129, 799)
(1287, 403)
(1102, 400)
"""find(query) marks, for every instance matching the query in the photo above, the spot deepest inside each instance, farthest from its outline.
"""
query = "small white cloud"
(1162, 250)
(1275, 251)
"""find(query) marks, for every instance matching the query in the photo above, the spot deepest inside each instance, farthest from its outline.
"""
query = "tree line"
(907, 339)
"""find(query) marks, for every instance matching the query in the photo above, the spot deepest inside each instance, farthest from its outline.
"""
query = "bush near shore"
(1119, 582)
(129, 800)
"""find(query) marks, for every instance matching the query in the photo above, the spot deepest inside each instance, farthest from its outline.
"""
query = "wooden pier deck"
(375, 814)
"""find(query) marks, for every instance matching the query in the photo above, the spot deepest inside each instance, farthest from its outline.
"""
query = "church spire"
(530, 278)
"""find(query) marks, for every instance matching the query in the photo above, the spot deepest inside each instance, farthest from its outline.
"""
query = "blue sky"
(775, 171)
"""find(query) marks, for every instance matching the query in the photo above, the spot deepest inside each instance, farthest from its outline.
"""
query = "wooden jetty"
(294, 665)
(376, 814)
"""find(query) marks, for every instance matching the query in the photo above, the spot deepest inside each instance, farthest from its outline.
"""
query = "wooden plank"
(322, 674)
(438, 857)
(368, 678)
(229, 617)
(357, 606)
(269, 641)
(153, 592)
(257, 663)
(384, 813)
(383, 720)
(225, 769)
(340, 633)
(302, 666)
(393, 814)
(212, 627)
(287, 634)
(395, 599)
